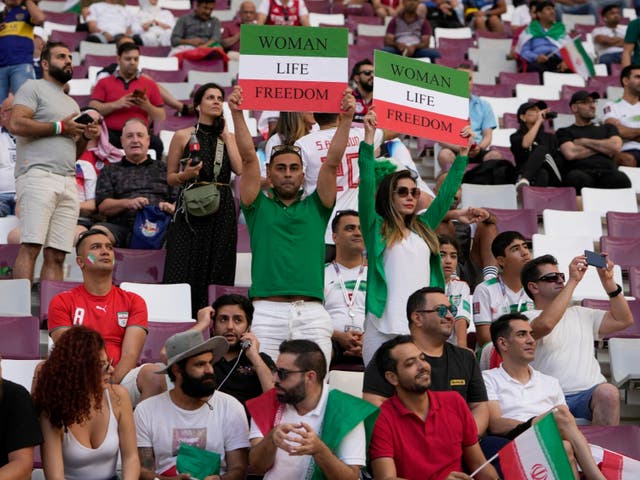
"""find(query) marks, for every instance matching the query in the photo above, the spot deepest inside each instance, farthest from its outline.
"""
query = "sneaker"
(521, 183)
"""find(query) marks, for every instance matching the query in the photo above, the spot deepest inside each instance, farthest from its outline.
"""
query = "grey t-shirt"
(55, 154)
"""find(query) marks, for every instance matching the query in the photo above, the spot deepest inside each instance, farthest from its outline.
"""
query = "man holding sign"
(287, 235)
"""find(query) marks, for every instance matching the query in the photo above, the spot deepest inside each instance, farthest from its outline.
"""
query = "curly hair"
(70, 382)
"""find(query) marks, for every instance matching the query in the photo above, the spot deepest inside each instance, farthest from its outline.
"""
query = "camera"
(550, 115)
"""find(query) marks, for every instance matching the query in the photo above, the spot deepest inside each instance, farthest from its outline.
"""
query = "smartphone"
(595, 259)
(84, 119)
(139, 93)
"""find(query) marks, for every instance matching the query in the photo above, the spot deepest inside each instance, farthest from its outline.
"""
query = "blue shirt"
(537, 46)
(481, 117)
(16, 39)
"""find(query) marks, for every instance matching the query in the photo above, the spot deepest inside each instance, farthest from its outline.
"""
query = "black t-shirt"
(597, 161)
(243, 384)
(457, 369)
(19, 426)
(543, 139)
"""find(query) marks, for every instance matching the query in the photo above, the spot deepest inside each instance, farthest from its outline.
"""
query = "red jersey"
(281, 15)
(109, 315)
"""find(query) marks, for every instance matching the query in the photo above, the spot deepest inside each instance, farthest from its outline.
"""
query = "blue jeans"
(7, 204)
(584, 9)
(419, 53)
(13, 76)
(610, 58)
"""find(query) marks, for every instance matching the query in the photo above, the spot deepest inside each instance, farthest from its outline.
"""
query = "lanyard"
(345, 293)
(503, 289)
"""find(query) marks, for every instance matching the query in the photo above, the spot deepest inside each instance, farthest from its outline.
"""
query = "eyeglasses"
(405, 191)
(283, 373)
(106, 365)
(368, 73)
(441, 310)
(551, 277)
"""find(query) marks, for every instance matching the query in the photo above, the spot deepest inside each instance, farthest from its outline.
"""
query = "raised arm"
(250, 180)
(327, 175)
(619, 315)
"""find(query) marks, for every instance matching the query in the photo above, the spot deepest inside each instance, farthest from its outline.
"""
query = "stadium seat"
(557, 80)
(501, 137)
(243, 270)
(318, 6)
(522, 220)
(100, 49)
(463, 32)
(154, 51)
(488, 196)
(630, 332)
(159, 63)
(8, 254)
(208, 65)
(603, 200)
(72, 39)
(7, 224)
(15, 297)
(583, 30)
(48, 290)
(368, 30)
(564, 248)
(634, 282)
(541, 198)
(624, 358)
(173, 76)
(500, 106)
(494, 46)
(52, 6)
(198, 77)
(487, 90)
(216, 291)
(562, 222)
(19, 371)
(158, 334)
(165, 303)
(510, 79)
(80, 86)
(624, 439)
(20, 339)
(570, 20)
(634, 175)
(140, 266)
(172, 123)
(359, 10)
(354, 20)
(622, 251)
(244, 242)
(335, 19)
(525, 92)
(348, 382)
(180, 90)
(621, 224)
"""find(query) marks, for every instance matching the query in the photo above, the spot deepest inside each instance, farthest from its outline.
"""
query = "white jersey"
(334, 296)
(315, 147)
(218, 427)
(493, 298)
(629, 116)
(459, 295)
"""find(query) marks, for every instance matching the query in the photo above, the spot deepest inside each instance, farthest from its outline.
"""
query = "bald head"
(247, 12)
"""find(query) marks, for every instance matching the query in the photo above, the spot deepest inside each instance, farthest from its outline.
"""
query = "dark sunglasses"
(283, 373)
(365, 72)
(280, 149)
(551, 277)
(405, 191)
(441, 310)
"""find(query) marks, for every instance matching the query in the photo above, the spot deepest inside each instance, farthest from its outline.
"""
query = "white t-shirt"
(493, 298)
(567, 352)
(629, 116)
(619, 32)
(352, 449)
(7, 162)
(334, 297)
(521, 402)
(459, 295)
(162, 425)
(110, 18)
(521, 16)
(315, 147)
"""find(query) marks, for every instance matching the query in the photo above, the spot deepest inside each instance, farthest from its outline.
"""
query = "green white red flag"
(615, 466)
(420, 99)
(577, 59)
(536, 454)
(296, 69)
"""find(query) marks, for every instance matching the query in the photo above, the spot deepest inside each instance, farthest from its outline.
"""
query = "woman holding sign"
(402, 246)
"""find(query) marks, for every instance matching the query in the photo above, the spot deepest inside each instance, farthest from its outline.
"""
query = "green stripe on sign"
(294, 41)
(420, 74)
(551, 444)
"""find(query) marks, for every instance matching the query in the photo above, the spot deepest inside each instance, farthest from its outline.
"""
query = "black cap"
(607, 8)
(583, 95)
(522, 109)
(544, 3)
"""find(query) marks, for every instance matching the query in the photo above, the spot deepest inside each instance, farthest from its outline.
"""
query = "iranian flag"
(615, 466)
(296, 69)
(420, 99)
(537, 453)
(577, 59)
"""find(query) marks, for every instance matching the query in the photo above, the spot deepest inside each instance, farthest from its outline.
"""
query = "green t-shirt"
(287, 245)
(633, 36)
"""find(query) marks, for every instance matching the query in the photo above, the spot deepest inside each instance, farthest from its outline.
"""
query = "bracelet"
(616, 292)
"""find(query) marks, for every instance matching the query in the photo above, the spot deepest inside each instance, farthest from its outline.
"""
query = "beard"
(293, 396)
(367, 87)
(198, 387)
(415, 385)
(60, 74)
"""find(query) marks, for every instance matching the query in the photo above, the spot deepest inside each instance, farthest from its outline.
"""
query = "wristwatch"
(616, 292)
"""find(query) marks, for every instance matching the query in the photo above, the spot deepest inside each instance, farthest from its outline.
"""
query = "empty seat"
(48, 290)
(15, 297)
(19, 371)
(510, 79)
(623, 224)
(72, 39)
(525, 92)
(487, 90)
(103, 49)
(561, 222)
(634, 175)
(501, 137)
(165, 303)
(488, 196)
(603, 200)
(348, 382)
(159, 63)
(521, 220)
(624, 357)
(634, 282)
(173, 76)
(158, 334)
(564, 248)
(141, 266)
(630, 332)
(541, 198)
(622, 251)
(8, 254)
(500, 106)
(216, 291)
(20, 337)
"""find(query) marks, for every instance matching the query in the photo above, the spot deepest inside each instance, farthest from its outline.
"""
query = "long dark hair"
(218, 122)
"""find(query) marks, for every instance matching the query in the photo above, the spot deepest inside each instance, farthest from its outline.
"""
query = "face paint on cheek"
(91, 258)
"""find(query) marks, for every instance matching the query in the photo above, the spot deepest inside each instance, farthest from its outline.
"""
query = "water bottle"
(194, 149)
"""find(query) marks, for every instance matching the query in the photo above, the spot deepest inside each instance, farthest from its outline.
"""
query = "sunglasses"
(280, 149)
(366, 72)
(405, 191)
(441, 310)
(283, 373)
(551, 277)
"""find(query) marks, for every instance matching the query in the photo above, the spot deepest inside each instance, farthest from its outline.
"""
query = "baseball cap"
(522, 109)
(583, 95)
(189, 344)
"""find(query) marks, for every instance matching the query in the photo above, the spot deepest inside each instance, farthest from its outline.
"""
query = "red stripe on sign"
(292, 96)
(611, 465)
(412, 121)
(510, 462)
(566, 57)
